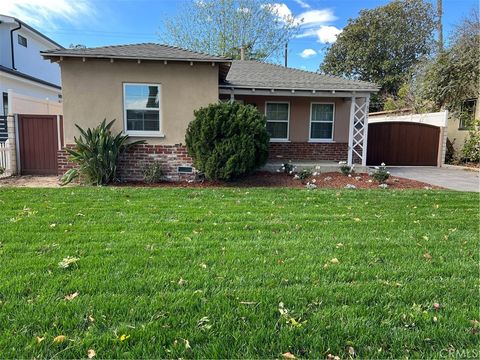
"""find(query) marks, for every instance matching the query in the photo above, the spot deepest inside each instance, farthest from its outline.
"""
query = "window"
(22, 40)
(5, 103)
(321, 121)
(278, 115)
(467, 114)
(142, 109)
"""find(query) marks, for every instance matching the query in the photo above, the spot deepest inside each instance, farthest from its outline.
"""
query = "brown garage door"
(402, 143)
(38, 140)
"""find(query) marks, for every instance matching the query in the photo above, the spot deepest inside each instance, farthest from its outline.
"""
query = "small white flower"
(350, 186)
(278, 170)
(315, 173)
(328, 178)
(382, 164)
(314, 181)
(349, 175)
(383, 186)
(296, 177)
(377, 168)
(388, 172)
(290, 172)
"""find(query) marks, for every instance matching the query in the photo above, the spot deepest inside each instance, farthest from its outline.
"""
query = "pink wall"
(299, 126)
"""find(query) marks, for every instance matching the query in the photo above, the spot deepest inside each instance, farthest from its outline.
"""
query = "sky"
(111, 22)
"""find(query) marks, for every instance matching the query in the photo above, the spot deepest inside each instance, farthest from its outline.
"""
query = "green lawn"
(197, 273)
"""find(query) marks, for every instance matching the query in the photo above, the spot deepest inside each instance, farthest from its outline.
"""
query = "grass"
(201, 273)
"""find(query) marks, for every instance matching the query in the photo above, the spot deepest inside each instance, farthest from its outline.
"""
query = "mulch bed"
(331, 180)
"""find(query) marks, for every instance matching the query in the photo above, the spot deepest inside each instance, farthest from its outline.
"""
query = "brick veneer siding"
(131, 163)
(308, 151)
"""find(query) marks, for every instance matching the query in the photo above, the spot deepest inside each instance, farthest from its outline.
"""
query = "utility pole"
(440, 26)
(286, 54)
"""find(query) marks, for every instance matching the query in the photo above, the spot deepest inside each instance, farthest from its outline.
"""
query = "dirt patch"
(332, 180)
(30, 181)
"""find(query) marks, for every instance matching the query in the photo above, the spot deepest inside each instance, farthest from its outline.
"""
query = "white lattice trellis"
(357, 140)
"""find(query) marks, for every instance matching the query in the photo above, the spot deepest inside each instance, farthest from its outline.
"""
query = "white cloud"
(47, 13)
(328, 34)
(302, 4)
(308, 53)
(313, 18)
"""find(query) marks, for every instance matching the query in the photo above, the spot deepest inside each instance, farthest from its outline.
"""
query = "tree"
(223, 27)
(453, 76)
(382, 45)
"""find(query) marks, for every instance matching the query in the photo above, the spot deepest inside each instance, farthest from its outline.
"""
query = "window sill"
(321, 141)
(279, 140)
(145, 135)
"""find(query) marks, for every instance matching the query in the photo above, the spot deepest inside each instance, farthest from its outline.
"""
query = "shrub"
(96, 152)
(304, 174)
(2, 170)
(471, 147)
(152, 172)
(287, 168)
(346, 169)
(381, 174)
(227, 140)
(450, 152)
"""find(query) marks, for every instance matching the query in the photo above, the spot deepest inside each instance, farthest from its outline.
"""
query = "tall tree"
(382, 44)
(222, 27)
(454, 75)
(440, 25)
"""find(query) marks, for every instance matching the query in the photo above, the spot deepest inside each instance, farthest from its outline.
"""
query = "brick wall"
(308, 151)
(132, 162)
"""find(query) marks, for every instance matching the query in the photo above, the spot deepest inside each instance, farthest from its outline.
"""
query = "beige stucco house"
(152, 91)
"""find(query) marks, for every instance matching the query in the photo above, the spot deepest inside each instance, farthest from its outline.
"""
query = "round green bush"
(227, 140)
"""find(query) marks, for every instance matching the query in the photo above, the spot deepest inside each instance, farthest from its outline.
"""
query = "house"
(152, 91)
(22, 68)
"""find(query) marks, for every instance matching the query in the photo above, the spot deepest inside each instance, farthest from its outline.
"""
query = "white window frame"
(288, 120)
(310, 139)
(140, 133)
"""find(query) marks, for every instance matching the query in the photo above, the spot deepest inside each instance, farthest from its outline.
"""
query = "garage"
(413, 140)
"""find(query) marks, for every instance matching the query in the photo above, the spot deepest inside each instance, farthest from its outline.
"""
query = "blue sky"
(109, 22)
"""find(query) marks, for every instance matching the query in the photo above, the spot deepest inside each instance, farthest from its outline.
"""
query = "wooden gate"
(403, 143)
(38, 140)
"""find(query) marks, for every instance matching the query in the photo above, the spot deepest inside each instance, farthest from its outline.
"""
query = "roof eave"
(249, 87)
(50, 56)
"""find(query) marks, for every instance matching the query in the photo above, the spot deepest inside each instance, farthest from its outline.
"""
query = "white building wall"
(26, 87)
(29, 61)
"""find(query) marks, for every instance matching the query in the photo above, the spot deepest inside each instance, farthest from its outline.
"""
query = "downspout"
(11, 43)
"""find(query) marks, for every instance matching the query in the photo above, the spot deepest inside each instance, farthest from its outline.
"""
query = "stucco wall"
(299, 126)
(93, 90)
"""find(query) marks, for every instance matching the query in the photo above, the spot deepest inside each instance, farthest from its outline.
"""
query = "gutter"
(11, 42)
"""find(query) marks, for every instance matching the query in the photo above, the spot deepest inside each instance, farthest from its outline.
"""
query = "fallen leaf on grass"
(181, 282)
(427, 256)
(351, 351)
(248, 303)
(67, 262)
(91, 353)
(357, 219)
(39, 339)
(334, 261)
(288, 355)
(339, 245)
(124, 337)
(436, 306)
(203, 323)
(59, 339)
(71, 296)
(333, 357)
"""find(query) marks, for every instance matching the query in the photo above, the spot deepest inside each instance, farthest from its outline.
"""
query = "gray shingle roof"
(256, 74)
(146, 51)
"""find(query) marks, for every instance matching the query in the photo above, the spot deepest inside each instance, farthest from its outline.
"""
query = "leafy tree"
(453, 76)
(227, 140)
(382, 45)
(222, 27)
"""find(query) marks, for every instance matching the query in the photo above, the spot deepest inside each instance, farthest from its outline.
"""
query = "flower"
(314, 181)
(382, 164)
(296, 177)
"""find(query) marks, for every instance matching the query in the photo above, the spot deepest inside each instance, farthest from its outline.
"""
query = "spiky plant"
(96, 153)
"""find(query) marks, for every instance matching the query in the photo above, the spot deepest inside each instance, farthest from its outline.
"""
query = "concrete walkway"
(454, 179)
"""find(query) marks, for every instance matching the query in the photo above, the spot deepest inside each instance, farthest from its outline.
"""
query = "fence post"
(12, 144)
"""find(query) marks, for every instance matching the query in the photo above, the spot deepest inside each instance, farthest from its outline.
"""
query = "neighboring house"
(458, 126)
(22, 68)
(152, 91)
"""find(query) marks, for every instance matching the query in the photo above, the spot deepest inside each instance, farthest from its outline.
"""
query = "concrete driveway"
(454, 179)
